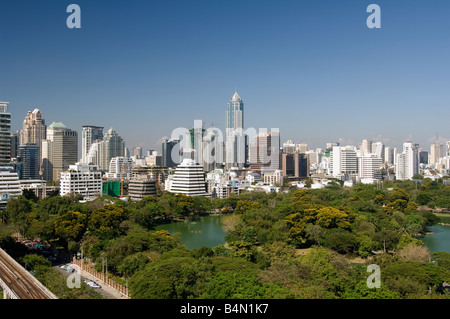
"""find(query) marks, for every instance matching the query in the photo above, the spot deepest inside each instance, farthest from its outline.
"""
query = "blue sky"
(310, 68)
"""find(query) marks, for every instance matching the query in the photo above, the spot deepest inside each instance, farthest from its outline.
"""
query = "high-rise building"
(90, 134)
(213, 147)
(168, 158)
(436, 153)
(366, 146)
(34, 131)
(189, 179)
(137, 151)
(235, 140)
(59, 150)
(369, 166)
(113, 146)
(29, 158)
(102, 151)
(295, 165)
(5, 134)
(407, 162)
(264, 153)
(423, 157)
(343, 161)
(15, 142)
(378, 150)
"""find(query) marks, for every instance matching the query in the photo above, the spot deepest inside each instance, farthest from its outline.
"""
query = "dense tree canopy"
(303, 243)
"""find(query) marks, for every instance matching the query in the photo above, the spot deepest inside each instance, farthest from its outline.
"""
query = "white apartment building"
(189, 179)
(81, 178)
(343, 161)
(369, 166)
(436, 153)
(9, 185)
(407, 162)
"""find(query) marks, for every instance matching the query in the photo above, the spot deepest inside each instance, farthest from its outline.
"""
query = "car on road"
(91, 283)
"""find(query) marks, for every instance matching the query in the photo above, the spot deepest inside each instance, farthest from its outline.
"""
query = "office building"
(189, 179)
(235, 140)
(5, 134)
(29, 158)
(59, 150)
(170, 153)
(264, 152)
(295, 165)
(15, 142)
(139, 188)
(34, 131)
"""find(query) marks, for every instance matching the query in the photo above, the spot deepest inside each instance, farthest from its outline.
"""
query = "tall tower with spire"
(234, 137)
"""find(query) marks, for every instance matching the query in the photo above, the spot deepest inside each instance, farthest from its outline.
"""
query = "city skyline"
(312, 69)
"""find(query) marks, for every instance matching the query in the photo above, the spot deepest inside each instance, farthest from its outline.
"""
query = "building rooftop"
(235, 97)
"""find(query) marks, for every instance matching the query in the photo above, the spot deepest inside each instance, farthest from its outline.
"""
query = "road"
(105, 290)
(24, 285)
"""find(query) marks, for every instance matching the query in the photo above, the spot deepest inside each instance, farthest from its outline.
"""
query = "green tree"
(106, 222)
(70, 226)
(161, 279)
(33, 261)
(234, 286)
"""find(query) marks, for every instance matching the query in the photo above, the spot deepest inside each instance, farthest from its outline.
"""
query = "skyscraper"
(5, 134)
(59, 150)
(369, 166)
(343, 161)
(90, 134)
(436, 153)
(34, 131)
(235, 141)
(169, 159)
(407, 162)
(112, 146)
(29, 157)
(264, 153)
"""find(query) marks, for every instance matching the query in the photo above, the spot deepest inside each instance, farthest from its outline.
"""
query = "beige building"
(59, 150)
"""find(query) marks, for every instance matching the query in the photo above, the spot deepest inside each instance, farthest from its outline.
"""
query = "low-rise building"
(139, 188)
(81, 178)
